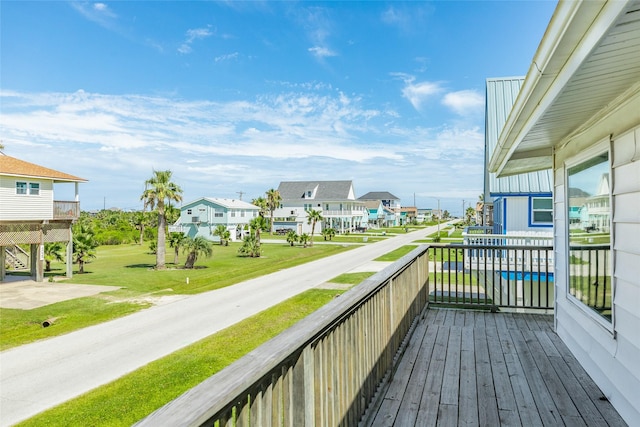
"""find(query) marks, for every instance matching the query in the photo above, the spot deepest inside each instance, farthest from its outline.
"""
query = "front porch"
(392, 351)
(469, 367)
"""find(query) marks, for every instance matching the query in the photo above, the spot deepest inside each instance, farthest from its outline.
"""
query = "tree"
(304, 239)
(176, 241)
(292, 237)
(52, 252)
(140, 220)
(257, 224)
(223, 233)
(158, 190)
(470, 213)
(84, 246)
(250, 246)
(261, 202)
(273, 202)
(196, 247)
(313, 217)
(328, 233)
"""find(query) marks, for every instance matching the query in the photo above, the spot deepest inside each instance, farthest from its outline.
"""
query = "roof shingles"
(16, 167)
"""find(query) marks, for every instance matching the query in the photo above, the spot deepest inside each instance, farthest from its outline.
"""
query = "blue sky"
(238, 96)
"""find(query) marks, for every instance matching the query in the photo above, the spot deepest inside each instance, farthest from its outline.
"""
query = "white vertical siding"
(24, 207)
(612, 359)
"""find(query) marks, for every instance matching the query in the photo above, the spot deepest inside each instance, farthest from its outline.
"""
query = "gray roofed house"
(389, 201)
(316, 190)
(335, 200)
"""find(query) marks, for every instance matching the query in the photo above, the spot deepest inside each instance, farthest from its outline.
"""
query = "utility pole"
(240, 193)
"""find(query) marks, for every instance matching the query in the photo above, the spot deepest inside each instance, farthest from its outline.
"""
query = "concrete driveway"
(18, 292)
(38, 376)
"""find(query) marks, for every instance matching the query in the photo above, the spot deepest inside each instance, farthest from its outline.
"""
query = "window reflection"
(589, 216)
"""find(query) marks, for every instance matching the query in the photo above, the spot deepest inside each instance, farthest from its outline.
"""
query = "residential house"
(202, 216)
(518, 203)
(30, 215)
(389, 201)
(377, 213)
(408, 214)
(578, 114)
(426, 215)
(335, 200)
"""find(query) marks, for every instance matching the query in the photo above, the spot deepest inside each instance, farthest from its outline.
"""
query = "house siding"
(25, 207)
(609, 354)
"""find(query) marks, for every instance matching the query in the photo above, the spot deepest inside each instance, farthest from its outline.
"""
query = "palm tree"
(84, 246)
(292, 237)
(221, 230)
(176, 241)
(260, 202)
(52, 252)
(250, 246)
(140, 220)
(258, 224)
(328, 233)
(304, 239)
(158, 190)
(273, 202)
(195, 248)
(313, 217)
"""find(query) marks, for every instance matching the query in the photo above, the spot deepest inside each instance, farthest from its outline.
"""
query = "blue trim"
(520, 194)
(530, 213)
(504, 216)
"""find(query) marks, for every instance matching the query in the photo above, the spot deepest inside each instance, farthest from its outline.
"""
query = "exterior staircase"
(16, 258)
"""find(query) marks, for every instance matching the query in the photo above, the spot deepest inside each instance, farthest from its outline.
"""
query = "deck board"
(465, 368)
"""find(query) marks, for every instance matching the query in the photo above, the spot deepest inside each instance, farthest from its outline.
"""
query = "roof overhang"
(586, 67)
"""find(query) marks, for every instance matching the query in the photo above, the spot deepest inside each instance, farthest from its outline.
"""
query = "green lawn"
(131, 267)
(134, 396)
(396, 254)
(351, 278)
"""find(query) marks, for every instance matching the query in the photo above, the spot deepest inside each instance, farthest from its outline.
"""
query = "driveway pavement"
(38, 376)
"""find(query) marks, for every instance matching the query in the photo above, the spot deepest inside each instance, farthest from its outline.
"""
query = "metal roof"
(500, 97)
(321, 190)
(587, 66)
(225, 203)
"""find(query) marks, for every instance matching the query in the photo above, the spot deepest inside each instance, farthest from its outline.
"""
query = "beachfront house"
(390, 204)
(335, 200)
(202, 216)
(30, 215)
(578, 114)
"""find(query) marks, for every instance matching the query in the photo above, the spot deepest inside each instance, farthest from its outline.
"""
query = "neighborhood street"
(38, 376)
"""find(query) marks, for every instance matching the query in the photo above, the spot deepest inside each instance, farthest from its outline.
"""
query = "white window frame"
(583, 156)
(22, 190)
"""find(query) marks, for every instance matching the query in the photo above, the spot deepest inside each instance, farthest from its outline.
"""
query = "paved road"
(38, 376)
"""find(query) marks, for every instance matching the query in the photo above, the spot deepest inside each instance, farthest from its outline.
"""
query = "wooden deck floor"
(473, 368)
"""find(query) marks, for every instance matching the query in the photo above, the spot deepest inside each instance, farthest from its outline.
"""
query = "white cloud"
(310, 132)
(464, 102)
(322, 52)
(417, 93)
(191, 36)
(227, 57)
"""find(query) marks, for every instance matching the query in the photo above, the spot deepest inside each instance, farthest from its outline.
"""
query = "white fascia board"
(574, 32)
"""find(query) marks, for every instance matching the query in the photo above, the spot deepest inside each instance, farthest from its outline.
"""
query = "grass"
(131, 267)
(351, 278)
(132, 397)
(396, 254)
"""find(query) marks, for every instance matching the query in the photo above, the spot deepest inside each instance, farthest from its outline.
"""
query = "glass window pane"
(21, 188)
(543, 216)
(539, 203)
(589, 214)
